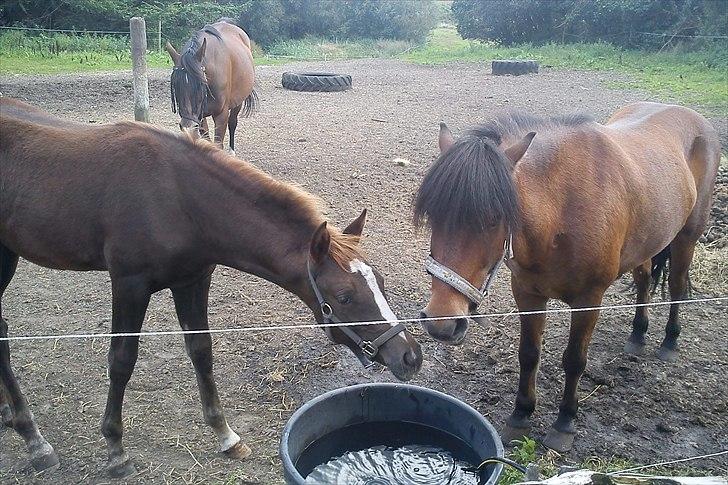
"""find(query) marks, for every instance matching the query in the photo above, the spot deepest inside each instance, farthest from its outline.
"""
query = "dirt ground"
(341, 147)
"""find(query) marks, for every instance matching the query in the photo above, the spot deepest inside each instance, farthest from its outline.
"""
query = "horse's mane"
(518, 123)
(297, 205)
(469, 187)
(189, 78)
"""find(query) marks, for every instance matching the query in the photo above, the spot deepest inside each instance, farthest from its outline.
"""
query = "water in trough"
(405, 454)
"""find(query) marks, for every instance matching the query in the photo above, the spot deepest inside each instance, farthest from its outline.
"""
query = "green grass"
(322, 49)
(60, 53)
(528, 451)
(697, 78)
(17, 63)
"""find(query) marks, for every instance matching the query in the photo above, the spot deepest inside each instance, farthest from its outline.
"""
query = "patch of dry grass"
(709, 271)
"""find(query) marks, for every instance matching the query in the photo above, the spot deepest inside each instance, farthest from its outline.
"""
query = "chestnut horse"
(213, 76)
(158, 210)
(570, 204)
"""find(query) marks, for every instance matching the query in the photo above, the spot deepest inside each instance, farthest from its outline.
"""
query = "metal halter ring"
(326, 310)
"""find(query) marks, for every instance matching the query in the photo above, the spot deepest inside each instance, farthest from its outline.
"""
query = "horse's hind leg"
(681, 255)
(191, 305)
(130, 297)
(636, 343)
(232, 125)
(15, 409)
(561, 435)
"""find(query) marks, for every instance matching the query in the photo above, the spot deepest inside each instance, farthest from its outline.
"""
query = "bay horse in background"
(570, 204)
(213, 76)
(136, 201)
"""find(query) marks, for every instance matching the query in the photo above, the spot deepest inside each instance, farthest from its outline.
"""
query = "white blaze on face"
(366, 271)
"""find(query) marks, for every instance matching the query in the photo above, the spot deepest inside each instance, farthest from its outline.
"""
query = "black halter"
(365, 350)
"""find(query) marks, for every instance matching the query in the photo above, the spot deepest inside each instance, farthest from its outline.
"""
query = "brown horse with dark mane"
(158, 210)
(213, 76)
(570, 204)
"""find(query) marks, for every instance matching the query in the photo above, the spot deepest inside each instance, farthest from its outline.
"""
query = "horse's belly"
(53, 246)
(658, 224)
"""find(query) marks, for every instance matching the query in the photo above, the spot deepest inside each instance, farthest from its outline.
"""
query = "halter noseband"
(451, 278)
(365, 350)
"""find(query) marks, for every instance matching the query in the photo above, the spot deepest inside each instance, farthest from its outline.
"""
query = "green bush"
(620, 22)
(266, 21)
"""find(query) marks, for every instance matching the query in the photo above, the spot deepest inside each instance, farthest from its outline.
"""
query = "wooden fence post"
(138, 31)
(159, 35)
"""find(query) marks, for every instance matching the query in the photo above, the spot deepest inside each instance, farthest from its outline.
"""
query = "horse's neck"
(268, 239)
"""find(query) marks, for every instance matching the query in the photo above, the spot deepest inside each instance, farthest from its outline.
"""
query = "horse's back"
(229, 64)
(14, 108)
(65, 191)
(677, 153)
(669, 142)
(227, 26)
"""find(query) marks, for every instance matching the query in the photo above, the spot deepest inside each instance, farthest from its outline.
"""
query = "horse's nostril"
(410, 358)
(423, 315)
(461, 325)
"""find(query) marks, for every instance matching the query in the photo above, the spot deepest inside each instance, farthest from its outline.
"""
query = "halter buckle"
(368, 349)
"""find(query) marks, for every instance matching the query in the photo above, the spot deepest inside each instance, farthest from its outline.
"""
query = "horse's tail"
(661, 271)
(250, 105)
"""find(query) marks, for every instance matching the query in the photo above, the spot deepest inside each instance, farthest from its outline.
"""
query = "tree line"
(646, 24)
(266, 21)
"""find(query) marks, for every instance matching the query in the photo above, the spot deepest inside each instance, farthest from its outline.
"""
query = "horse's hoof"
(239, 451)
(559, 441)
(668, 355)
(121, 470)
(45, 461)
(512, 433)
(633, 348)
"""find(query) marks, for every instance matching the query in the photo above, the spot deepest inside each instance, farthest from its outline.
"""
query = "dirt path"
(341, 146)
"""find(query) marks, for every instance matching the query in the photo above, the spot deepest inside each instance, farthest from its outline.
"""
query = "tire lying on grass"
(515, 68)
(316, 81)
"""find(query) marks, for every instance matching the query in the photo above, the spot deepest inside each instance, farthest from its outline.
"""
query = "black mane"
(469, 187)
(189, 79)
(517, 123)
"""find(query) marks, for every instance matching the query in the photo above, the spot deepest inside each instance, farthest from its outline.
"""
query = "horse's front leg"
(221, 125)
(561, 435)
(191, 305)
(518, 424)
(130, 300)
(204, 129)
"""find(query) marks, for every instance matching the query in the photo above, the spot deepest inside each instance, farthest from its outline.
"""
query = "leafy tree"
(621, 22)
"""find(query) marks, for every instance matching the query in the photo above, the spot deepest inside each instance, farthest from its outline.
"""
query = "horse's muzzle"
(448, 330)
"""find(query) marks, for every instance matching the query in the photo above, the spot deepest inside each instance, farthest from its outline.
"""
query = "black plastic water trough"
(397, 406)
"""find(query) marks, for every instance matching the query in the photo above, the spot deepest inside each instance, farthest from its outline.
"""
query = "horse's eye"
(344, 299)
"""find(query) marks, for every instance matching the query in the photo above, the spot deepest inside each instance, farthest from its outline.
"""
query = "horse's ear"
(172, 53)
(357, 225)
(320, 243)
(201, 51)
(517, 150)
(445, 139)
